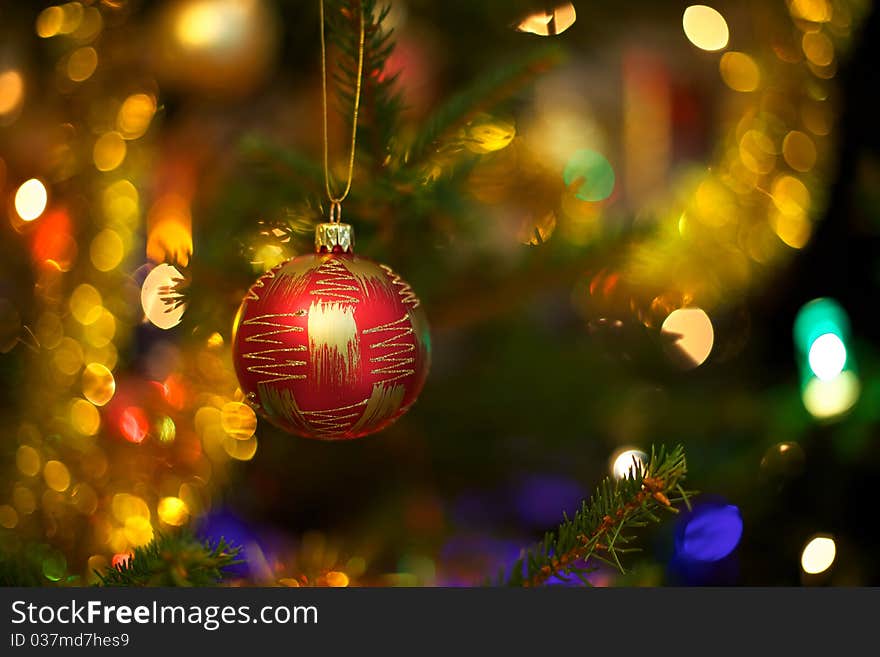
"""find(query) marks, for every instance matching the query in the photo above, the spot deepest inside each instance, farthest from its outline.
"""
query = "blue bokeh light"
(710, 533)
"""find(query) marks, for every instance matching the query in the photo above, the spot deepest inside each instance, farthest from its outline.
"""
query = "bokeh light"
(238, 420)
(592, 173)
(109, 151)
(157, 297)
(689, 337)
(549, 22)
(135, 115)
(106, 250)
(31, 199)
(624, 460)
(98, 384)
(739, 71)
(84, 417)
(818, 555)
(11, 92)
(705, 27)
(56, 476)
(827, 356)
(28, 461)
(710, 532)
(134, 424)
(82, 63)
(173, 511)
(829, 399)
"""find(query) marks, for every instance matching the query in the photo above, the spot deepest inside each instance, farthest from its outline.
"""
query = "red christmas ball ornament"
(331, 345)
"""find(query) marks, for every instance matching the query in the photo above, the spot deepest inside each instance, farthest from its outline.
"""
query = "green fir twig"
(178, 559)
(601, 530)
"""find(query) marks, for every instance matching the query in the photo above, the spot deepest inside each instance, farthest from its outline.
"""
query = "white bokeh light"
(827, 356)
(622, 461)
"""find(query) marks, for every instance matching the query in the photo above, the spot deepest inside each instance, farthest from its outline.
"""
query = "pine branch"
(600, 530)
(178, 559)
(480, 97)
(381, 102)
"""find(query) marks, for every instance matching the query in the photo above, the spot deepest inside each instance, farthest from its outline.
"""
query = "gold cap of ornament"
(334, 237)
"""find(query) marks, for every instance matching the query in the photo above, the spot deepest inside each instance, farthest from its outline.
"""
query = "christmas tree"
(636, 231)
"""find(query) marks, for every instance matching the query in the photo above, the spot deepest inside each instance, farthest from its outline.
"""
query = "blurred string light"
(705, 27)
(549, 22)
(689, 337)
(818, 555)
(624, 461)
(31, 199)
(830, 385)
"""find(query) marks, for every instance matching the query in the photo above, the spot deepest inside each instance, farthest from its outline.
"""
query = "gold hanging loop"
(336, 201)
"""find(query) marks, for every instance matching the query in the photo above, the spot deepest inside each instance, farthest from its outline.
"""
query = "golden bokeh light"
(173, 511)
(818, 555)
(238, 420)
(487, 134)
(624, 459)
(28, 461)
(106, 250)
(100, 332)
(793, 229)
(790, 195)
(240, 450)
(23, 500)
(82, 63)
(85, 304)
(757, 152)
(739, 71)
(550, 22)
(815, 11)
(49, 22)
(120, 202)
(138, 531)
(818, 48)
(135, 115)
(125, 505)
(825, 400)
(11, 92)
(109, 151)
(71, 17)
(690, 337)
(336, 579)
(84, 417)
(56, 475)
(98, 384)
(68, 356)
(31, 199)
(8, 516)
(156, 295)
(705, 27)
(799, 151)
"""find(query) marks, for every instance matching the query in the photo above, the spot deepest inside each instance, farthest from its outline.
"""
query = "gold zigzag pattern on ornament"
(334, 280)
(261, 283)
(334, 421)
(272, 366)
(281, 402)
(384, 402)
(394, 362)
(406, 292)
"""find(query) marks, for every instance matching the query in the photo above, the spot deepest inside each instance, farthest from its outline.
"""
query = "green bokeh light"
(594, 172)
